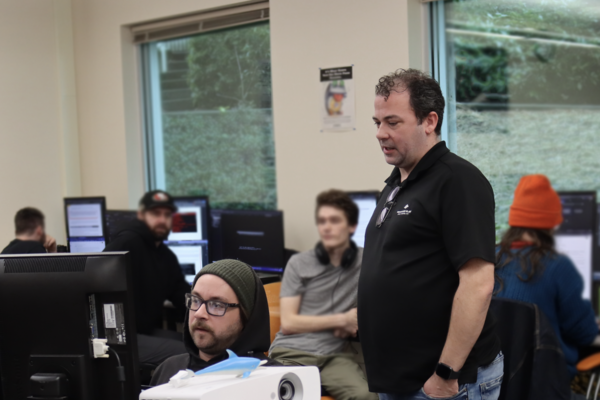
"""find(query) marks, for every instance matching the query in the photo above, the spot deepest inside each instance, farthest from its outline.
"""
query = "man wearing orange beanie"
(535, 205)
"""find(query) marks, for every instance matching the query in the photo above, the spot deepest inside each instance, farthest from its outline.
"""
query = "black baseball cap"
(157, 198)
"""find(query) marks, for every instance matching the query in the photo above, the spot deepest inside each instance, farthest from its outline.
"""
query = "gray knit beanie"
(239, 276)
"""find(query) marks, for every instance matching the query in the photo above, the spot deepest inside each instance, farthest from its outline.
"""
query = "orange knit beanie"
(535, 205)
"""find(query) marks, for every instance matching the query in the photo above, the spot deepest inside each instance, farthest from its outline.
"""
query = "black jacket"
(24, 247)
(254, 341)
(156, 274)
(534, 364)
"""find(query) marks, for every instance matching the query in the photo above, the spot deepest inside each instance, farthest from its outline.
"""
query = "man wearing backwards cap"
(156, 274)
(227, 309)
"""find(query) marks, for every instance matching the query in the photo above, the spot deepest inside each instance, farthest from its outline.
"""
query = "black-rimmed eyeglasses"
(213, 307)
(390, 202)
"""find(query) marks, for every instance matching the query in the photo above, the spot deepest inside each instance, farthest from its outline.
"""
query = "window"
(522, 83)
(208, 116)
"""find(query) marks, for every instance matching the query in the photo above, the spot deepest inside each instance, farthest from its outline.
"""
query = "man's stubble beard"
(161, 236)
(214, 345)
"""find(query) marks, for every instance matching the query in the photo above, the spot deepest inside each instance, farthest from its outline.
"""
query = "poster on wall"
(337, 99)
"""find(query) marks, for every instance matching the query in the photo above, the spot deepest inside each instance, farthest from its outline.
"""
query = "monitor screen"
(115, 219)
(86, 227)
(575, 236)
(254, 237)
(366, 202)
(52, 306)
(189, 234)
(596, 266)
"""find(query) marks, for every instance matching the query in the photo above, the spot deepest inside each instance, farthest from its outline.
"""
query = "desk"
(266, 277)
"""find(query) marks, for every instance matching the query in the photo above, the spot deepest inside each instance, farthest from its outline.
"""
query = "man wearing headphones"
(318, 301)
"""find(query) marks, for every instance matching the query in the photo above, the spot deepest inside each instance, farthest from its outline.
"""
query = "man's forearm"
(469, 311)
(311, 323)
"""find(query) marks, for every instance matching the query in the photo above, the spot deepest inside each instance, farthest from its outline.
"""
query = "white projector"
(264, 383)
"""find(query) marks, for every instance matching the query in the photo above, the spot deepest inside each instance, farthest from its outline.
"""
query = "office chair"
(591, 364)
(272, 290)
(534, 364)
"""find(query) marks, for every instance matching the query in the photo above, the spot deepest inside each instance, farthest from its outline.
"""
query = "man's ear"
(140, 215)
(430, 122)
(39, 231)
(353, 228)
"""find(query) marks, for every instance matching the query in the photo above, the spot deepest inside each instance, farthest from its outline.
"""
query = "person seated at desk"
(31, 236)
(227, 309)
(318, 301)
(156, 275)
(529, 269)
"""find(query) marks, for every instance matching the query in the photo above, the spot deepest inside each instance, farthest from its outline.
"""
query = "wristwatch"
(446, 372)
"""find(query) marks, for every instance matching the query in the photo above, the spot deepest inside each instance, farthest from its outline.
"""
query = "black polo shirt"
(443, 217)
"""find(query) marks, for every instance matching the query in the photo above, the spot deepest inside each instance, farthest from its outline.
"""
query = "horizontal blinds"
(201, 22)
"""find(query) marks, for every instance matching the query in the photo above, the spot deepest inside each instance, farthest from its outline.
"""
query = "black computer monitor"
(115, 219)
(86, 224)
(576, 235)
(254, 237)
(189, 238)
(52, 305)
(366, 202)
(596, 266)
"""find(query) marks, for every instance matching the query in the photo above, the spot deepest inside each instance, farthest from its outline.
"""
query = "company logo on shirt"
(406, 211)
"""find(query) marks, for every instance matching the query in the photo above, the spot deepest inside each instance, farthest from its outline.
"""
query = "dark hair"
(27, 219)
(340, 200)
(530, 259)
(425, 93)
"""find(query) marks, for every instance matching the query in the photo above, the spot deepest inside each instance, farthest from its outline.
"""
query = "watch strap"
(446, 372)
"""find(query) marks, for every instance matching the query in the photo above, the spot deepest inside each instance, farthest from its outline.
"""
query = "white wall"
(91, 117)
(305, 35)
(108, 92)
(308, 35)
(39, 149)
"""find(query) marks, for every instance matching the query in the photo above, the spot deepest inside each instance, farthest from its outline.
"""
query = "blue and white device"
(240, 378)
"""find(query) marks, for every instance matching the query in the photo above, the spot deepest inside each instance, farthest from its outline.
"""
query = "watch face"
(443, 371)
(446, 372)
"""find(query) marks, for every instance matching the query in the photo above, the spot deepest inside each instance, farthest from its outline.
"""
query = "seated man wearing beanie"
(227, 309)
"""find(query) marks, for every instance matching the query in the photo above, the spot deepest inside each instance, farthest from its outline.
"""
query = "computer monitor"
(576, 235)
(115, 219)
(52, 305)
(86, 224)
(189, 236)
(596, 266)
(254, 237)
(366, 202)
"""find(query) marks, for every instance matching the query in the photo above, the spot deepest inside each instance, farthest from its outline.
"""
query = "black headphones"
(347, 258)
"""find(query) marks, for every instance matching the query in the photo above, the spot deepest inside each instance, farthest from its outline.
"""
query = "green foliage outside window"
(218, 138)
(527, 81)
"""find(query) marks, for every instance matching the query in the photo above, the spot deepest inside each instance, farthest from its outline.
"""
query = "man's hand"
(50, 244)
(438, 387)
(351, 323)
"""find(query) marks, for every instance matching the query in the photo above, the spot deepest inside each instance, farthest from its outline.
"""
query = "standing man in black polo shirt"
(428, 264)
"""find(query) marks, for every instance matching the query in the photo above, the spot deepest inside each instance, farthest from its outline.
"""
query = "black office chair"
(146, 371)
(534, 364)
